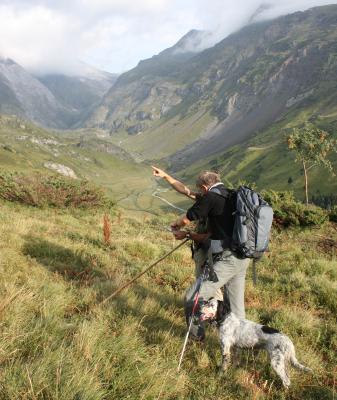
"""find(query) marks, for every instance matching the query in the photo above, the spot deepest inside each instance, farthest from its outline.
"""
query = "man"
(201, 242)
(200, 248)
(215, 205)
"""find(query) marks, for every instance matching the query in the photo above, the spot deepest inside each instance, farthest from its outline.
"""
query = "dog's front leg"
(236, 356)
(227, 340)
(226, 354)
(226, 360)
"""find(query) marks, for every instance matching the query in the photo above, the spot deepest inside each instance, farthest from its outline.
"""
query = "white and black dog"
(241, 333)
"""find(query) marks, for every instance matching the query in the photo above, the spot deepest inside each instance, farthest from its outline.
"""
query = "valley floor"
(58, 342)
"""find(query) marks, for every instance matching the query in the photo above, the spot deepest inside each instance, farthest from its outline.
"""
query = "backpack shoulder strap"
(218, 192)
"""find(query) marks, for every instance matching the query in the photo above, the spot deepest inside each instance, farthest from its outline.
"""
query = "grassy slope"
(58, 342)
(131, 184)
(266, 161)
(165, 138)
(123, 179)
(263, 160)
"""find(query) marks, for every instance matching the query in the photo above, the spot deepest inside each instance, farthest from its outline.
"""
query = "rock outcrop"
(61, 169)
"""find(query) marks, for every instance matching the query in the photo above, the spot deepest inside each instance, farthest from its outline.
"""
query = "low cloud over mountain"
(48, 37)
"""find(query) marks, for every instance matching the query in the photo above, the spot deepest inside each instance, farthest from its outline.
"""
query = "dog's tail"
(294, 362)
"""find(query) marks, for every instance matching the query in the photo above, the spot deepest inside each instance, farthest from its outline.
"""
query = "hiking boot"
(197, 339)
(208, 310)
(197, 329)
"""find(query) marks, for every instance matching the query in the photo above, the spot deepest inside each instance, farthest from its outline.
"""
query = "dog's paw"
(286, 384)
(220, 371)
(225, 366)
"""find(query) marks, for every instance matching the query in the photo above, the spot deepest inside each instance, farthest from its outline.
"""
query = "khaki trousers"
(229, 271)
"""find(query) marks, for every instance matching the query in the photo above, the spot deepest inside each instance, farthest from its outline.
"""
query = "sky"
(52, 36)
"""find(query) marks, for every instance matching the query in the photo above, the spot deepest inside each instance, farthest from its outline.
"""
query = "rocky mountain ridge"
(56, 101)
(225, 93)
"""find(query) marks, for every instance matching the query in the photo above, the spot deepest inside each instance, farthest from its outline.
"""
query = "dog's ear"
(220, 311)
(269, 330)
(226, 302)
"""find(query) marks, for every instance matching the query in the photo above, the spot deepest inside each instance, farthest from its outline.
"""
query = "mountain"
(186, 106)
(26, 96)
(79, 93)
(137, 93)
(162, 64)
(55, 101)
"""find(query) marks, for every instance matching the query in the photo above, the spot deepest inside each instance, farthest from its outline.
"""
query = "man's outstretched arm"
(177, 185)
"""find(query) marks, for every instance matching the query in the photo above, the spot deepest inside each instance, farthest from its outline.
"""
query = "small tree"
(311, 146)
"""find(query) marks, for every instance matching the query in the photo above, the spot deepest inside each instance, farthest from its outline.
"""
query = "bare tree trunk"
(305, 183)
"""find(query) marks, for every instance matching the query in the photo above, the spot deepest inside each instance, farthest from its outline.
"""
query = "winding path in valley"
(151, 193)
(155, 194)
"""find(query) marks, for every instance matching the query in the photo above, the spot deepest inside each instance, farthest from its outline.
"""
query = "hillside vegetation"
(58, 342)
(266, 161)
(25, 147)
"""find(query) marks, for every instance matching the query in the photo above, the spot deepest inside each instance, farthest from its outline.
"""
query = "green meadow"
(58, 341)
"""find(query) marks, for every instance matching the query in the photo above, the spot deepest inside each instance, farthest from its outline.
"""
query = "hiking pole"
(195, 303)
(116, 292)
(188, 331)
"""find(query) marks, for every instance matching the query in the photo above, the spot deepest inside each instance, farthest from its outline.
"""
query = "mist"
(226, 17)
(47, 37)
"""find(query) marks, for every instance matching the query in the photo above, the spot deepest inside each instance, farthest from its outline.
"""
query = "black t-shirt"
(218, 209)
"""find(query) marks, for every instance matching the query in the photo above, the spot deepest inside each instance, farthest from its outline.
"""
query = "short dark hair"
(208, 178)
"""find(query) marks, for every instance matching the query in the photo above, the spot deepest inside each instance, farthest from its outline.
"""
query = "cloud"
(52, 36)
(124, 6)
(48, 36)
(223, 17)
(39, 39)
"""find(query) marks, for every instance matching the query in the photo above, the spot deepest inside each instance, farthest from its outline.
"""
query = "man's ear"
(205, 188)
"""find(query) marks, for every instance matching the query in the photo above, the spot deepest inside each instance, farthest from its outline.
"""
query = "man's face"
(202, 189)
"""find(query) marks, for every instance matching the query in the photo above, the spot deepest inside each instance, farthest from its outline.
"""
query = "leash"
(116, 292)
(195, 303)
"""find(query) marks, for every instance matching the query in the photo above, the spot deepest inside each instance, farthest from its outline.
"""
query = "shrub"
(327, 201)
(333, 214)
(51, 190)
(290, 212)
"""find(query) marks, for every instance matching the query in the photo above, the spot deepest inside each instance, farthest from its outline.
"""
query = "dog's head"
(209, 310)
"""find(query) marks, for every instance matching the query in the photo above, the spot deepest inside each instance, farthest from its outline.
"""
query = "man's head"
(207, 179)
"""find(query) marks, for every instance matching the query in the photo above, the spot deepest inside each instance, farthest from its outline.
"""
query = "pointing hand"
(158, 172)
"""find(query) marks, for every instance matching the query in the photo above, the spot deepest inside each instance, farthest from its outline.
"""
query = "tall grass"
(58, 342)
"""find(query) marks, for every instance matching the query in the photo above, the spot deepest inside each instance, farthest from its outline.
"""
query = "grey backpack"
(253, 218)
